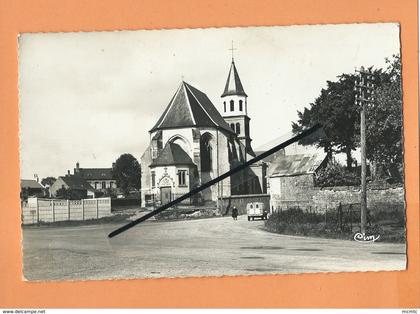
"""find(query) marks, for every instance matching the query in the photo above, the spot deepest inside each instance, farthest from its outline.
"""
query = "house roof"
(233, 84)
(172, 154)
(94, 173)
(30, 184)
(77, 183)
(190, 107)
(292, 165)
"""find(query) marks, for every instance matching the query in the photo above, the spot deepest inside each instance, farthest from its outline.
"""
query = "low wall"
(322, 199)
(37, 210)
(384, 199)
(240, 202)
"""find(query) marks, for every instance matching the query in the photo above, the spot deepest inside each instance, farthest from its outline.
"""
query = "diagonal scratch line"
(218, 179)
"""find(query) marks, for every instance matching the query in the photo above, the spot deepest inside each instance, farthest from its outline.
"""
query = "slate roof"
(30, 184)
(77, 183)
(293, 165)
(233, 84)
(172, 154)
(190, 107)
(94, 173)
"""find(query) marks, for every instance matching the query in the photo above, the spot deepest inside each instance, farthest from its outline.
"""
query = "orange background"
(381, 289)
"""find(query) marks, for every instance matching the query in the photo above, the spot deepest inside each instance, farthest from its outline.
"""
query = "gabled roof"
(293, 165)
(94, 173)
(172, 154)
(190, 107)
(30, 184)
(77, 183)
(233, 84)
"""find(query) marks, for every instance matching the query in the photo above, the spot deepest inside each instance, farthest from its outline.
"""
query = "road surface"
(204, 247)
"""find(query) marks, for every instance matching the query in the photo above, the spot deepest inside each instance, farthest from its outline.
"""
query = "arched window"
(206, 152)
(240, 105)
(181, 141)
(238, 128)
(232, 105)
(232, 126)
(224, 106)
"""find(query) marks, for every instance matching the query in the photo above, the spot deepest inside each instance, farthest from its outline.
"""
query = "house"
(193, 142)
(31, 188)
(99, 178)
(292, 179)
(80, 187)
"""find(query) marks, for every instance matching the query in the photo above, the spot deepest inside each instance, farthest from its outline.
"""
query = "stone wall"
(383, 199)
(291, 191)
(299, 191)
(240, 201)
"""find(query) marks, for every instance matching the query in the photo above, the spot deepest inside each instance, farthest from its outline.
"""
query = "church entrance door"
(165, 195)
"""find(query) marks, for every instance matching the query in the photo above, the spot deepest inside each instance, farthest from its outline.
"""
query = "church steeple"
(234, 108)
(233, 84)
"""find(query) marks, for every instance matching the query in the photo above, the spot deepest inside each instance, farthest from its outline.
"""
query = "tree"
(48, 181)
(339, 116)
(127, 173)
(384, 122)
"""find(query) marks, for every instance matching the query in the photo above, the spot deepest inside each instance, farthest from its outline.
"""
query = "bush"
(334, 174)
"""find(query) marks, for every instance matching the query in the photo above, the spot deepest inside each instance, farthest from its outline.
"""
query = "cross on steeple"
(232, 49)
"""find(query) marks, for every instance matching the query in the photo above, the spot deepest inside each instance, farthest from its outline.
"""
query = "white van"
(256, 210)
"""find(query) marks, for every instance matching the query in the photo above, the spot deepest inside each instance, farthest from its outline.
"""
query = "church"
(193, 142)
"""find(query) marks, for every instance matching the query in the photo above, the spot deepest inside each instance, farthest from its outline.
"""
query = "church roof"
(172, 154)
(233, 84)
(190, 107)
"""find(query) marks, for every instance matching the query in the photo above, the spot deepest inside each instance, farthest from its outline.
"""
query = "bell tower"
(235, 107)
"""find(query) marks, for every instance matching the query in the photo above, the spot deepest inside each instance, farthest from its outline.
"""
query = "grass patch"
(390, 225)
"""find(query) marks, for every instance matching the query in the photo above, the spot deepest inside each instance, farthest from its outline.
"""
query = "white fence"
(36, 210)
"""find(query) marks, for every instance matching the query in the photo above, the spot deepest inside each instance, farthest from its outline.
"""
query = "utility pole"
(364, 90)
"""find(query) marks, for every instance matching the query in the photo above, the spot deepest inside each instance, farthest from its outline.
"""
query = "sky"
(92, 96)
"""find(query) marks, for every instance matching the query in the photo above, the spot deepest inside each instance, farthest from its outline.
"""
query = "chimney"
(77, 165)
(68, 172)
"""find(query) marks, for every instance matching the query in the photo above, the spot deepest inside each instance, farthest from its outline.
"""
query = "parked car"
(256, 210)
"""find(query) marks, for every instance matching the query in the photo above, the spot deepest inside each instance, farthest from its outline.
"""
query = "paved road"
(217, 246)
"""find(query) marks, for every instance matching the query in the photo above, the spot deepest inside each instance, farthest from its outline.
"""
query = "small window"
(182, 174)
(96, 185)
(103, 184)
(111, 185)
(240, 105)
(232, 105)
(224, 106)
(256, 205)
(238, 128)
(232, 126)
(250, 206)
(153, 175)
